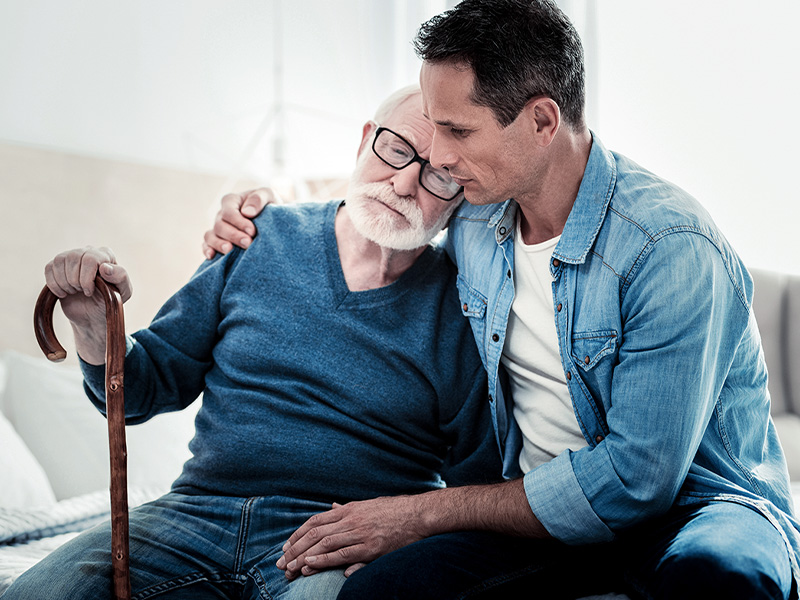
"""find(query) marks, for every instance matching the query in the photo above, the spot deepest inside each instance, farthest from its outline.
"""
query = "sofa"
(54, 446)
(776, 303)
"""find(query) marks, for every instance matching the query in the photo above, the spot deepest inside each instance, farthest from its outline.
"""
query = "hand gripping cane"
(115, 414)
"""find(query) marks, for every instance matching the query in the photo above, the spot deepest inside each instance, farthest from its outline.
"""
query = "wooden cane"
(115, 414)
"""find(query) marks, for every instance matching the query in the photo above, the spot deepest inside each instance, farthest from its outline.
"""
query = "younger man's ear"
(544, 118)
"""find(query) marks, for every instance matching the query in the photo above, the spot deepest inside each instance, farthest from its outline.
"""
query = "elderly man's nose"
(406, 181)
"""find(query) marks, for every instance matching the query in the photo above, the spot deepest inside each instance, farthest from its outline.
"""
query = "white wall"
(153, 218)
(706, 93)
(189, 84)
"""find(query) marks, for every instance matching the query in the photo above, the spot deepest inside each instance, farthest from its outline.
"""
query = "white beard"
(404, 231)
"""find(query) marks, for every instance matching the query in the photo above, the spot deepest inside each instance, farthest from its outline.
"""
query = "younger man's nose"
(442, 156)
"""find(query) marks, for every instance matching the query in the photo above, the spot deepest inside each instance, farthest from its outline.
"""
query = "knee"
(28, 586)
(58, 577)
(373, 581)
(401, 575)
(712, 576)
(322, 586)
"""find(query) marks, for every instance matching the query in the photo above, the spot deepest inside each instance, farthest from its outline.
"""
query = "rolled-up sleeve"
(557, 500)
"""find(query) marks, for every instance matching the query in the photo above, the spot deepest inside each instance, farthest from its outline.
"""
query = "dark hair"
(517, 49)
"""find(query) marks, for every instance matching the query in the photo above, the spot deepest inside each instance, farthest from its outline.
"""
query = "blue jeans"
(716, 550)
(184, 547)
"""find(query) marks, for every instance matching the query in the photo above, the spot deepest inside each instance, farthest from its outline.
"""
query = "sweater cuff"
(94, 376)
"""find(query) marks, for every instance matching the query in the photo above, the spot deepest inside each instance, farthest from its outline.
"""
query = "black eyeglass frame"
(416, 158)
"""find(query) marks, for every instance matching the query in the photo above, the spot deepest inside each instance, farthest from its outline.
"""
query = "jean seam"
(244, 526)
(183, 581)
(261, 584)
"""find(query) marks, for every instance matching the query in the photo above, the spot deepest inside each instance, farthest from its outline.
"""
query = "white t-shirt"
(542, 405)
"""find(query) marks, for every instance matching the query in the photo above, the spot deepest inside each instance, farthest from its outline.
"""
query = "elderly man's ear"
(366, 136)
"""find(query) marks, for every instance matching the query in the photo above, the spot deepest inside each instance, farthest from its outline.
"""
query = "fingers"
(118, 275)
(306, 536)
(208, 251)
(233, 225)
(353, 568)
(314, 563)
(229, 234)
(256, 200)
(230, 227)
(231, 214)
(324, 548)
(213, 244)
(74, 272)
(307, 571)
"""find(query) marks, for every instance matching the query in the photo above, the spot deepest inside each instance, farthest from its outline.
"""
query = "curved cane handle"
(43, 319)
(43, 326)
(115, 414)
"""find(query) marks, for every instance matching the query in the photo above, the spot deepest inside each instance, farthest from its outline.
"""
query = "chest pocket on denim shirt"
(589, 347)
(473, 306)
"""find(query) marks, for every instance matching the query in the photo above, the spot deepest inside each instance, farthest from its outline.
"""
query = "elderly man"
(638, 442)
(335, 366)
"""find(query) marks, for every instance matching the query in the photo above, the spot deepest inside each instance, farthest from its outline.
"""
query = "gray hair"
(394, 101)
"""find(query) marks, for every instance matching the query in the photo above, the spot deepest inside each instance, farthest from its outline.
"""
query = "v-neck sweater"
(309, 389)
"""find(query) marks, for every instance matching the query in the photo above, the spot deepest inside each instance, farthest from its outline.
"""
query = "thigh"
(175, 542)
(269, 523)
(718, 549)
(481, 565)
(322, 586)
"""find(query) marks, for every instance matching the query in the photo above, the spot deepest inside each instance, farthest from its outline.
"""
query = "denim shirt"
(659, 347)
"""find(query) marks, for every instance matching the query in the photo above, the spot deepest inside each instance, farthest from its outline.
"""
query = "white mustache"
(384, 193)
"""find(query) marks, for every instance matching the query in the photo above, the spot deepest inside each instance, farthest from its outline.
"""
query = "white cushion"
(48, 407)
(23, 482)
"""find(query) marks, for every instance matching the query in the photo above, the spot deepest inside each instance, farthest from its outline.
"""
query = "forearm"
(360, 532)
(502, 508)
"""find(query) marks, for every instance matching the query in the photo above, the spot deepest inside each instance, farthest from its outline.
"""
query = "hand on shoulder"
(233, 223)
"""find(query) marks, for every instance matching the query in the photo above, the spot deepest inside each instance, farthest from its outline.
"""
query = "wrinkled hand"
(352, 535)
(71, 276)
(233, 224)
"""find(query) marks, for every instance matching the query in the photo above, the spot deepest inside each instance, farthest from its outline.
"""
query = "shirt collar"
(590, 207)
(587, 214)
(502, 220)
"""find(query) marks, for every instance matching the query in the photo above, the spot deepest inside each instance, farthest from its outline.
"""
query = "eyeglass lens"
(398, 153)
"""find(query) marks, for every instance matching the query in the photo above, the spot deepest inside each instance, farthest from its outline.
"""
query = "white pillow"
(22, 480)
(49, 409)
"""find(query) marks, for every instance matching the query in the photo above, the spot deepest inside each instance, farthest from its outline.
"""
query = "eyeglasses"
(397, 152)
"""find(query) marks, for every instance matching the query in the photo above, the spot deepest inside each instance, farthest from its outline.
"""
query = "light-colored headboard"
(153, 218)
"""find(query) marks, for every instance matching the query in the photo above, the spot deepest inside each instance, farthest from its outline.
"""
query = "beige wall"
(153, 219)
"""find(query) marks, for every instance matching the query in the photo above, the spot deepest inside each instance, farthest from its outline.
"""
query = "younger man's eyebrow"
(444, 123)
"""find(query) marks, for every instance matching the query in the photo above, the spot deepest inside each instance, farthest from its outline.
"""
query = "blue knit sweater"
(311, 390)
